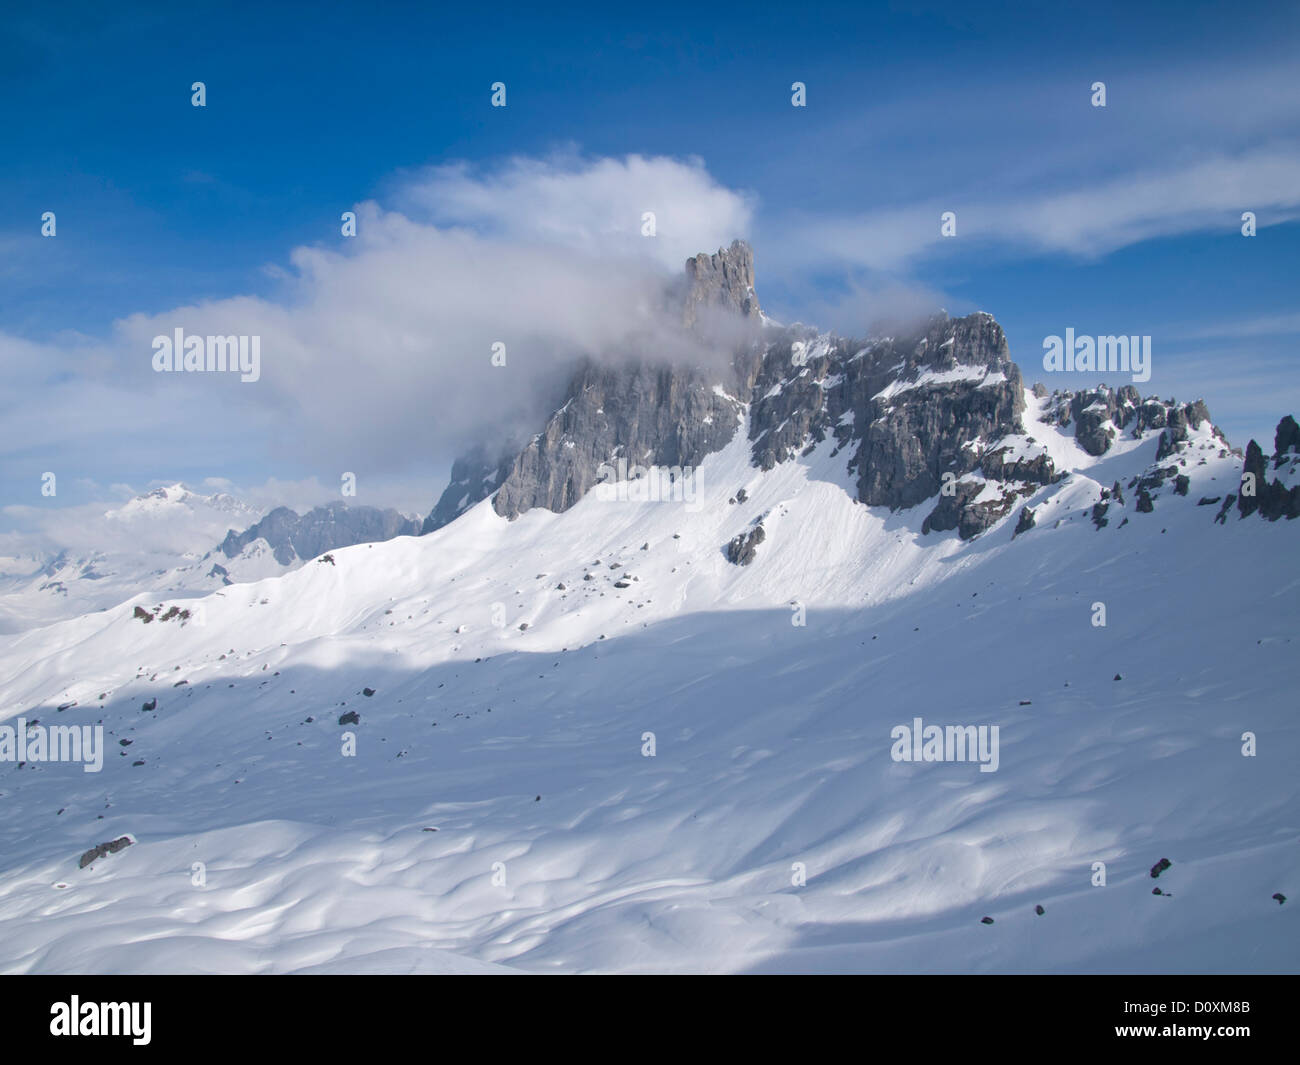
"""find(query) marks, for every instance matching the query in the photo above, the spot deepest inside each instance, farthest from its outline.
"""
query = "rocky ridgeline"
(293, 536)
(1100, 414)
(933, 414)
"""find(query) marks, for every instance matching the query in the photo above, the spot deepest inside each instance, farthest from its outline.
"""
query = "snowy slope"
(560, 847)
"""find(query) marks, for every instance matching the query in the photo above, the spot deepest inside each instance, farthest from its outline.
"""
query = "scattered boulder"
(1025, 523)
(101, 850)
(350, 718)
(743, 548)
(1160, 867)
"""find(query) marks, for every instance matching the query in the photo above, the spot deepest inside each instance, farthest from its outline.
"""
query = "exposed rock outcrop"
(474, 477)
(102, 850)
(723, 281)
(743, 547)
(1273, 499)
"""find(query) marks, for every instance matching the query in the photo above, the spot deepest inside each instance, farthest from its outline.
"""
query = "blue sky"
(1123, 219)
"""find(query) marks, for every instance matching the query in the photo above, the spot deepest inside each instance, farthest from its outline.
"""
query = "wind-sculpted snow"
(693, 771)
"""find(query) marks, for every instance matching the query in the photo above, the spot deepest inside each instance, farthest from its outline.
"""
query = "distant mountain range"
(169, 541)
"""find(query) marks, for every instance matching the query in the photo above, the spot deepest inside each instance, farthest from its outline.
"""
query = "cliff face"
(647, 414)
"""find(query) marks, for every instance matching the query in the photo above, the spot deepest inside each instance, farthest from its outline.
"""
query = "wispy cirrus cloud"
(1265, 325)
(1087, 220)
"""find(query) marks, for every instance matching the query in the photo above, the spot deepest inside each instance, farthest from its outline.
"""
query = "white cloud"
(1088, 219)
(376, 350)
(595, 207)
(1264, 325)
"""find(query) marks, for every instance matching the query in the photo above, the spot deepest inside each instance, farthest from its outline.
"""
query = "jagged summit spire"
(723, 280)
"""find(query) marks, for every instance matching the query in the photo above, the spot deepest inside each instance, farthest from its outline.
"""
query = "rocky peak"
(643, 412)
(721, 281)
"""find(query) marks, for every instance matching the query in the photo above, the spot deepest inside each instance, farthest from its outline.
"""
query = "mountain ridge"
(935, 413)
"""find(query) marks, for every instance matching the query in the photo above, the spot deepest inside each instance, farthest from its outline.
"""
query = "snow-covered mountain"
(174, 542)
(153, 542)
(655, 726)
